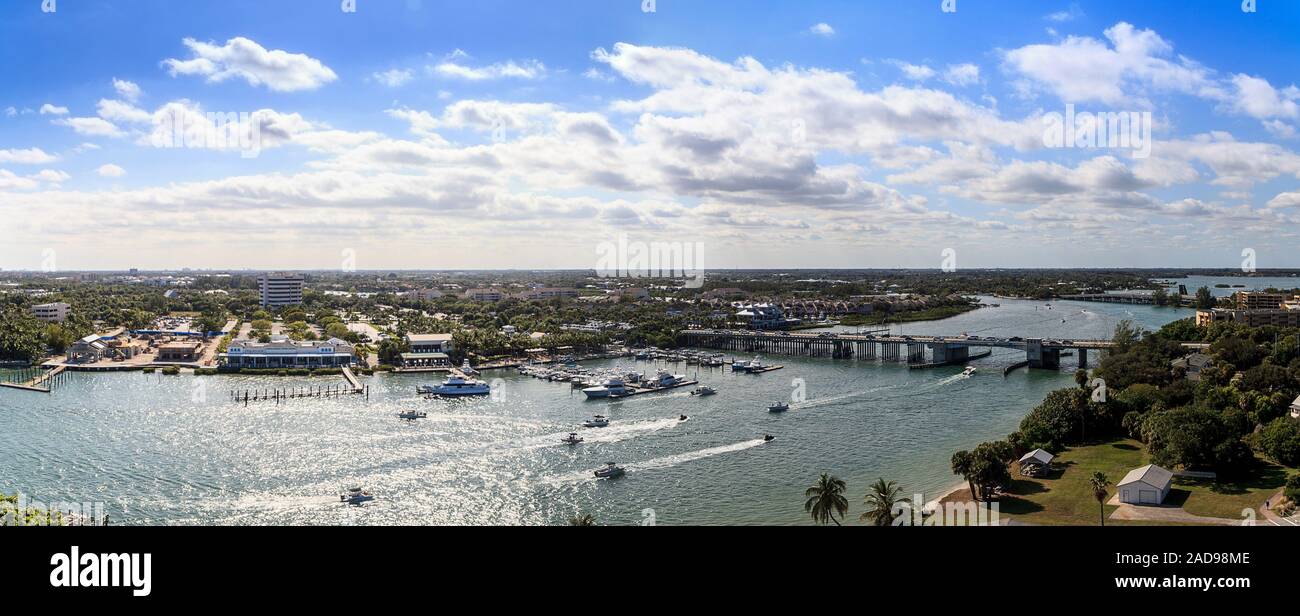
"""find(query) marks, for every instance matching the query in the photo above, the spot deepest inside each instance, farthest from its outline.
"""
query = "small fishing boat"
(596, 421)
(412, 415)
(356, 496)
(610, 471)
(703, 390)
(571, 439)
(779, 407)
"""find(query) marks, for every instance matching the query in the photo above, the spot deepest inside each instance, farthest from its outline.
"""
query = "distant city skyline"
(500, 135)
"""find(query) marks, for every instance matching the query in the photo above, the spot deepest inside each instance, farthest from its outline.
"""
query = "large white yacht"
(458, 386)
(611, 387)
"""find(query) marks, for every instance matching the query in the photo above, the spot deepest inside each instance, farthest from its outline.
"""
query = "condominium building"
(1258, 300)
(485, 295)
(56, 312)
(544, 293)
(280, 289)
(1280, 317)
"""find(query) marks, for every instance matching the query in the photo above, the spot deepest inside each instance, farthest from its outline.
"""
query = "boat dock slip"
(353, 387)
(37, 379)
(633, 391)
(352, 380)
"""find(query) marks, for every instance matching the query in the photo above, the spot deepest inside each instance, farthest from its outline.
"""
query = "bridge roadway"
(1039, 352)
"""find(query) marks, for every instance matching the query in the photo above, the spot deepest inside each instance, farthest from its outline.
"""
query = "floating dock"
(649, 390)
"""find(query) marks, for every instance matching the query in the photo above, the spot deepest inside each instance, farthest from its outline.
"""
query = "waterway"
(160, 449)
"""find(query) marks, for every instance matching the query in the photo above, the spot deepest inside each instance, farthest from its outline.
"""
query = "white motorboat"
(571, 439)
(611, 387)
(412, 415)
(610, 471)
(465, 368)
(356, 496)
(969, 371)
(667, 379)
(459, 386)
(703, 390)
(597, 421)
(779, 407)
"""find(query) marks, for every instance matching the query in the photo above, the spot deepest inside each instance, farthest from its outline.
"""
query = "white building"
(1295, 408)
(280, 289)
(284, 353)
(1036, 462)
(544, 293)
(424, 295)
(51, 313)
(485, 295)
(1148, 485)
(429, 343)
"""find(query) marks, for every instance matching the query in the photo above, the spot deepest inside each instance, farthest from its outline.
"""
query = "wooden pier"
(38, 380)
(636, 391)
(352, 388)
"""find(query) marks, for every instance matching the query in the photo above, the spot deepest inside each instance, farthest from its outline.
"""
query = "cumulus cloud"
(393, 78)
(127, 90)
(93, 127)
(110, 171)
(962, 74)
(454, 68)
(822, 29)
(242, 58)
(48, 109)
(29, 156)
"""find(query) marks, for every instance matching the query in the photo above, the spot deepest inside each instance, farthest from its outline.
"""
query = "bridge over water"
(928, 350)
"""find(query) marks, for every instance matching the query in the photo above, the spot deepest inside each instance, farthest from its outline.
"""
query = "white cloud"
(48, 109)
(962, 74)
(118, 111)
(51, 176)
(128, 90)
(11, 111)
(822, 29)
(1258, 99)
(94, 127)
(1070, 14)
(393, 77)
(526, 69)
(915, 72)
(242, 58)
(110, 171)
(29, 156)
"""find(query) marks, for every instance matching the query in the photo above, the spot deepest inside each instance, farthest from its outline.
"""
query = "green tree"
(1098, 482)
(1204, 299)
(21, 335)
(963, 464)
(825, 499)
(881, 501)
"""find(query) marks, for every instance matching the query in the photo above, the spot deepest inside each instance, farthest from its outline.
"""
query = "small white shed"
(1295, 408)
(1038, 458)
(1148, 485)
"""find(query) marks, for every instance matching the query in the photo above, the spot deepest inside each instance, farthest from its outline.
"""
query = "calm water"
(1248, 283)
(175, 450)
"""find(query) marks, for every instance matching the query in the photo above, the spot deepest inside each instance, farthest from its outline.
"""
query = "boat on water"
(767, 438)
(596, 421)
(412, 415)
(458, 386)
(356, 496)
(667, 379)
(752, 365)
(611, 387)
(571, 439)
(970, 370)
(610, 471)
(465, 368)
(779, 407)
(703, 390)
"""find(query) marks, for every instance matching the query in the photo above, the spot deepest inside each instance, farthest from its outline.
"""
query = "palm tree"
(1098, 482)
(964, 464)
(585, 519)
(825, 499)
(882, 498)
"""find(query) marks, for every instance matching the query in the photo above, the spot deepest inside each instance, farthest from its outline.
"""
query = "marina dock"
(636, 391)
(38, 379)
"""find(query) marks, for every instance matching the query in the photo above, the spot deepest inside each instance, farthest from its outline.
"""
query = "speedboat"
(459, 386)
(465, 368)
(610, 471)
(667, 379)
(611, 387)
(597, 421)
(779, 407)
(571, 439)
(412, 415)
(703, 390)
(356, 496)
(767, 438)
(969, 371)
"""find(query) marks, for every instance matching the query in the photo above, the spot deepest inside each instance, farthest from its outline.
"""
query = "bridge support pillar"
(1040, 356)
(945, 353)
(1083, 358)
(915, 353)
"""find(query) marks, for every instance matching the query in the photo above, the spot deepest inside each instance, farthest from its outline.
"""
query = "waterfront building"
(1280, 317)
(280, 289)
(430, 343)
(425, 360)
(765, 316)
(180, 351)
(424, 295)
(284, 353)
(87, 350)
(1148, 485)
(1259, 300)
(56, 312)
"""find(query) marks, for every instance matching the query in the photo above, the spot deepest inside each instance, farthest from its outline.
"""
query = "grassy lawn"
(1065, 497)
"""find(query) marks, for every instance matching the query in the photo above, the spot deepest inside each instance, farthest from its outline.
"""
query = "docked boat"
(412, 415)
(459, 386)
(597, 421)
(611, 387)
(465, 368)
(356, 496)
(779, 407)
(571, 439)
(703, 390)
(610, 471)
(667, 379)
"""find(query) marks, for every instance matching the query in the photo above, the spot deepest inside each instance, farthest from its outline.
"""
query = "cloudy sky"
(423, 134)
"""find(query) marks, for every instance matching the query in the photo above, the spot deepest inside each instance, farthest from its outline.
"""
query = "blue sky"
(426, 134)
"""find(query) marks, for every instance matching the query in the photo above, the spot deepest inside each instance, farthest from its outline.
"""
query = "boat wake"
(683, 458)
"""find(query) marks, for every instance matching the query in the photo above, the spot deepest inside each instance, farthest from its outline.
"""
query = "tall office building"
(280, 289)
